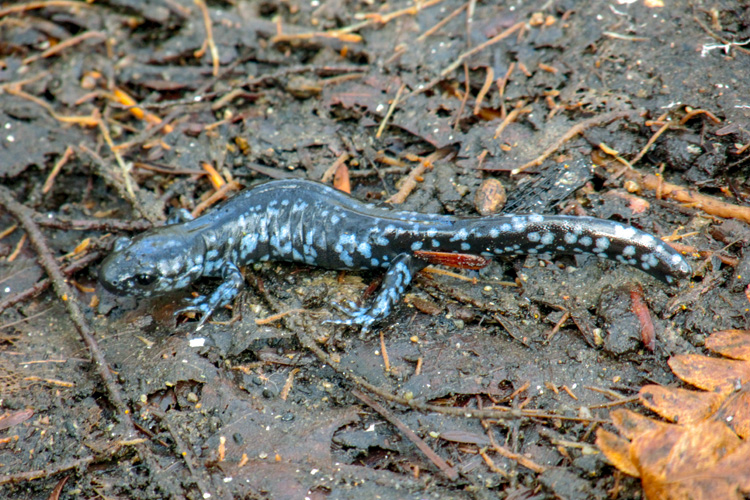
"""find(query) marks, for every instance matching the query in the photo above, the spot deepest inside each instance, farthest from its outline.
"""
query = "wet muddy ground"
(489, 384)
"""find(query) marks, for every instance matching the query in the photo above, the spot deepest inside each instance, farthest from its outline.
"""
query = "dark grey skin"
(308, 222)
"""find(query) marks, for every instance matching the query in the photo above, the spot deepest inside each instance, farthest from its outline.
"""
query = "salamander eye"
(145, 279)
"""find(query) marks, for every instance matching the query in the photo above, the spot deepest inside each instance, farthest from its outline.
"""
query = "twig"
(331, 171)
(443, 272)
(558, 325)
(92, 225)
(455, 64)
(56, 169)
(703, 254)
(168, 170)
(501, 450)
(120, 162)
(42, 285)
(18, 248)
(488, 79)
(276, 317)
(574, 131)
(91, 120)
(341, 34)
(503, 82)
(106, 172)
(491, 463)
(650, 142)
(284, 394)
(344, 34)
(694, 112)
(209, 35)
(683, 194)
(125, 99)
(411, 181)
(384, 352)
(618, 402)
(25, 217)
(41, 5)
(496, 413)
(23, 320)
(50, 471)
(166, 122)
(442, 22)
(717, 37)
(8, 231)
(370, 172)
(391, 109)
(408, 185)
(50, 381)
(640, 309)
(218, 195)
(470, 21)
(385, 18)
(217, 181)
(511, 117)
(464, 99)
(65, 44)
(618, 36)
(450, 472)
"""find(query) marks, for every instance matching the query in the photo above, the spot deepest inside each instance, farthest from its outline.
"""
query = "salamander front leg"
(396, 279)
(232, 283)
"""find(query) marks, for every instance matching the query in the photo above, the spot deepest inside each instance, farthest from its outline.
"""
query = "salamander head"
(152, 263)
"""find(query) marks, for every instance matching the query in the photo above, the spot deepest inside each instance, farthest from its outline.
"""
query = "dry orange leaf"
(702, 461)
(681, 462)
(710, 374)
(82, 246)
(632, 425)
(617, 450)
(705, 454)
(736, 413)
(341, 179)
(733, 344)
(680, 405)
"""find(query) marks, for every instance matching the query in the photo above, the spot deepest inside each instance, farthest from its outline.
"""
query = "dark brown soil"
(288, 408)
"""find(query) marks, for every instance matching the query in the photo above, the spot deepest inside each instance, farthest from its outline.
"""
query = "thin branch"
(25, 217)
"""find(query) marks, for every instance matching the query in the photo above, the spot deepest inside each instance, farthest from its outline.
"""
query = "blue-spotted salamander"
(311, 223)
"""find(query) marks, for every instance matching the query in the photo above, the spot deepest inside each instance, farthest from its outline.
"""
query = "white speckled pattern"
(308, 222)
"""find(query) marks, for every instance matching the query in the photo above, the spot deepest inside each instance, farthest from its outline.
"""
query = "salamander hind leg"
(232, 283)
(396, 280)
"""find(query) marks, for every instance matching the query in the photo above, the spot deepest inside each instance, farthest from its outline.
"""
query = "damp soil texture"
(489, 383)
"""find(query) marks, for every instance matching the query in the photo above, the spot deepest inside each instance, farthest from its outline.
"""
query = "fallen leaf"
(617, 450)
(704, 453)
(680, 405)
(733, 344)
(711, 374)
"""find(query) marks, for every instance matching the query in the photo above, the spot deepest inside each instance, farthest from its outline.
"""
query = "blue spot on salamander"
(308, 222)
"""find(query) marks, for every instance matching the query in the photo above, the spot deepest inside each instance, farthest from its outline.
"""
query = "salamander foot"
(197, 305)
(360, 316)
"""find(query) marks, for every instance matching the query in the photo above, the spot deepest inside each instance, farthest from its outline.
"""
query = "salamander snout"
(119, 274)
(150, 264)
